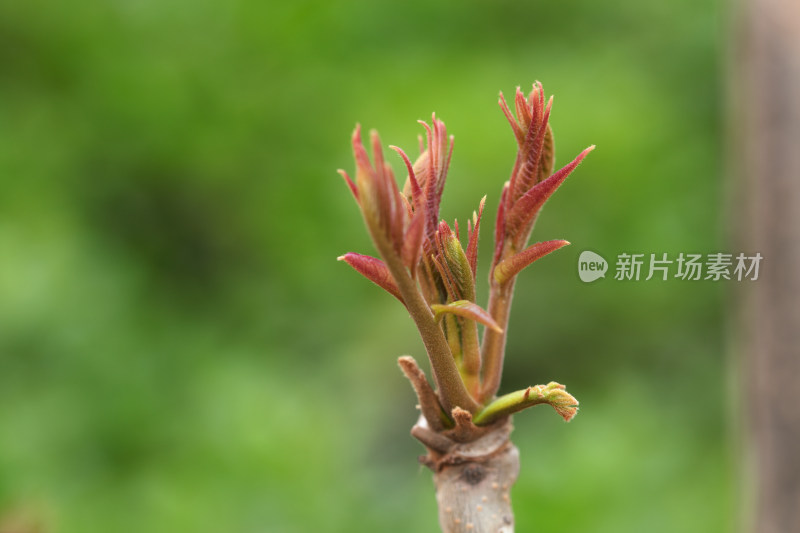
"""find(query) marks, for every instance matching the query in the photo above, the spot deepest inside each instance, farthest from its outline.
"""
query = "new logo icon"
(591, 266)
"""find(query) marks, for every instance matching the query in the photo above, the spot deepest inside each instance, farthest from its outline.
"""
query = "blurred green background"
(180, 350)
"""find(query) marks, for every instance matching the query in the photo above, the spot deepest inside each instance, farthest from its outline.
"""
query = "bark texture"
(473, 479)
(767, 121)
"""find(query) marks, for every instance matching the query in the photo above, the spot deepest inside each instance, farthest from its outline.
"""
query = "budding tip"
(405, 360)
(342, 257)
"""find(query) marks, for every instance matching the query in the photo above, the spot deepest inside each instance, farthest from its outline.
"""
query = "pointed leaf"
(383, 197)
(510, 267)
(472, 245)
(362, 159)
(524, 111)
(398, 210)
(350, 184)
(526, 208)
(432, 171)
(412, 242)
(371, 189)
(548, 157)
(414, 189)
(518, 133)
(374, 270)
(532, 123)
(526, 168)
(468, 310)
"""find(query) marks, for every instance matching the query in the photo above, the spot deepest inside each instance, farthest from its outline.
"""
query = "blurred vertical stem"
(767, 129)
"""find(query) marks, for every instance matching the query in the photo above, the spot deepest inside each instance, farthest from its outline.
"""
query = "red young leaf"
(524, 111)
(416, 190)
(431, 171)
(350, 184)
(398, 208)
(382, 205)
(527, 207)
(472, 245)
(529, 158)
(360, 154)
(374, 270)
(518, 133)
(412, 242)
(510, 267)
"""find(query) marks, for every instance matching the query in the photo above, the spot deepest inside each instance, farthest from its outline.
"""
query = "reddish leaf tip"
(511, 266)
(374, 270)
(350, 184)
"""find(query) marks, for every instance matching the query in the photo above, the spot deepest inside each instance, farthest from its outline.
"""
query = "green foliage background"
(179, 349)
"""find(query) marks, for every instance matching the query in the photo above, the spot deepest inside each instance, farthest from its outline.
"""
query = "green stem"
(471, 365)
(494, 343)
(452, 392)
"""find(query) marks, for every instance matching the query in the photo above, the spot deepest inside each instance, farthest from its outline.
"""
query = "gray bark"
(473, 479)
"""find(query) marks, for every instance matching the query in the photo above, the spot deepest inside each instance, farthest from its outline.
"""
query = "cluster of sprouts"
(425, 266)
